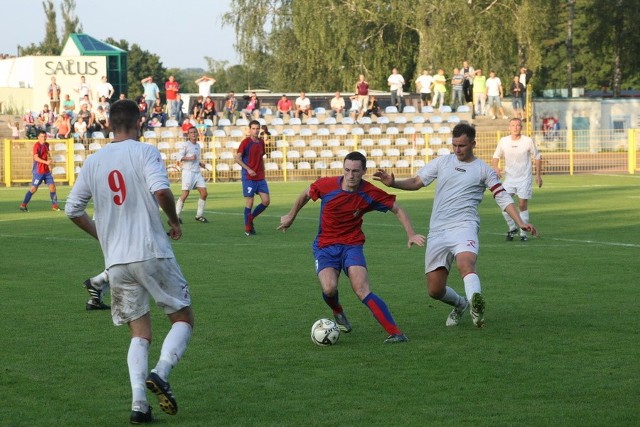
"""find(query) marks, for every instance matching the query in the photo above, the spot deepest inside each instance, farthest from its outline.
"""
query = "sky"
(181, 36)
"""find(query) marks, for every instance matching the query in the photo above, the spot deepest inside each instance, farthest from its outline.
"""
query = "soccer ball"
(325, 332)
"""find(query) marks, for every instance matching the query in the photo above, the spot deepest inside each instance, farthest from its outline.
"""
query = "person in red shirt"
(284, 107)
(41, 173)
(172, 87)
(250, 157)
(340, 240)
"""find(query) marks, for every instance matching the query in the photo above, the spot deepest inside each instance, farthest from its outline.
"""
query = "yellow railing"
(305, 157)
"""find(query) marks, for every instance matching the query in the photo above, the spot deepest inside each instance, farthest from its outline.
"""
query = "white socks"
(179, 206)
(471, 285)
(510, 222)
(200, 210)
(137, 360)
(524, 216)
(101, 281)
(451, 297)
(173, 347)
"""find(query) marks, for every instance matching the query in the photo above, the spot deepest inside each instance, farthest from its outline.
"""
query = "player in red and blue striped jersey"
(339, 243)
(41, 173)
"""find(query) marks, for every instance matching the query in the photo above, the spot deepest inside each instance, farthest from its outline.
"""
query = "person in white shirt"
(518, 150)
(494, 95)
(128, 181)
(396, 84)
(204, 86)
(303, 106)
(423, 85)
(83, 89)
(453, 230)
(337, 105)
(190, 157)
(104, 88)
(355, 110)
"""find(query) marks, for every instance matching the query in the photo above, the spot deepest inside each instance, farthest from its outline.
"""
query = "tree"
(71, 23)
(52, 45)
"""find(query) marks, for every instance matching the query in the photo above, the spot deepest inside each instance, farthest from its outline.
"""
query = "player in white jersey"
(127, 181)
(453, 231)
(190, 157)
(518, 150)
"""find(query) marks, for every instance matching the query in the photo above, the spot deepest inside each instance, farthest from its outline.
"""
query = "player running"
(190, 157)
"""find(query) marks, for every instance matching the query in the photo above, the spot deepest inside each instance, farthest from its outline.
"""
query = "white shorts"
(133, 284)
(522, 188)
(443, 246)
(191, 180)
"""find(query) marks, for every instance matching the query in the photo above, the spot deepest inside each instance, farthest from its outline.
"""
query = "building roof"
(89, 46)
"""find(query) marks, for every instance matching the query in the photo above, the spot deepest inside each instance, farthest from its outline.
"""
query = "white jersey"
(459, 191)
(189, 149)
(493, 86)
(517, 157)
(122, 178)
(425, 82)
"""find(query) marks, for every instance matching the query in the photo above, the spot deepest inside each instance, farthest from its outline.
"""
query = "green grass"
(560, 347)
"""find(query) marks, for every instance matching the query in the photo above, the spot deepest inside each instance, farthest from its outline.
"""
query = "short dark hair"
(357, 156)
(254, 122)
(464, 129)
(124, 115)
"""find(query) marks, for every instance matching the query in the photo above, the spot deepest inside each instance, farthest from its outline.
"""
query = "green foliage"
(71, 23)
(560, 346)
(52, 45)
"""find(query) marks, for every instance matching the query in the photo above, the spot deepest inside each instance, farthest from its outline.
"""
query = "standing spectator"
(41, 173)
(423, 86)
(204, 85)
(525, 79)
(191, 160)
(179, 106)
(518, 150)
(54, 95)
(396, 84)
(303, 106)
(284, 107)
(171, 88)
(336, 105)
(151, 91)
(479, 94)
(69, 106)
(104, 89)
(457, 89)
(83, 89)
(467, 86)
(137, 252)
(362, 91)
(517, 103)
(231, 107)
(494, 95)
(252, 107)
(250, 157)
(439, 88)
(453, 229)
(340, 241)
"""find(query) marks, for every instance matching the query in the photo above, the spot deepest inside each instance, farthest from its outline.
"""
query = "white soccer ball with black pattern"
(325, 332)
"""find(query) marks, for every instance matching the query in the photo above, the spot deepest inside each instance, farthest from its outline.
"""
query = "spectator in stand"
(373, 107)
(457, 86)
(517, 90)
(86, 101)
(104, 103)
(15, 130)
(102, 121)
(151, 91)
(525, 79)
(88, 117)
(104, 89)
(362, 91)
(158, 112)
(171, 88)
(209, 110)
(266, 137)
(186, 125)
(231, 107)
(423, 85)
(54, 95)
(494, 95)
(63, 126)
(284, 107)
(69, 106)
(396, 84)
(201, 128)
(197, 107)
(479, 93)
(355, 110)
(80, 129)
(179, 106)
(252, 107)
(467, 86)
(303, 106)
(337, 105)
(204, 85)
(29, 124)
(83, 89)
(439, 89)
(46, 119)
(143, 107)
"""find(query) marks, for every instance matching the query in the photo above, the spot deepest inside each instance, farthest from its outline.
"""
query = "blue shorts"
(38, 178)
(250, 188)
(339, 257)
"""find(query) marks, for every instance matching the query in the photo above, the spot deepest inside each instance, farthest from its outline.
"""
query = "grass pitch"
(560, 347)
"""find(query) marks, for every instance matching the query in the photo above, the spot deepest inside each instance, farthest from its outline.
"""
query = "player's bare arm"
(513, 213)
(495, 166)
(539, 173)
(389, 179)
(167, 203)
(86, 224)
(287, 220)
(403, 217)
(238, 159)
